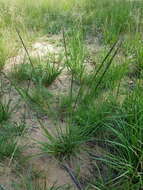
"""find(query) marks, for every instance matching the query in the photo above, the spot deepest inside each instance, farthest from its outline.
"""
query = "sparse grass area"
(89, 95)
(30, 184)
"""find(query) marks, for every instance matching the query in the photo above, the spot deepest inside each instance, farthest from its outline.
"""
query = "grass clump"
(16, 129)
(43, 73)
(124, 144)
(75, 53)
(64, 144)
(8, 141)
(41, 98)
(7, 147)
(46, 74)
(5, 110)
(94, 115)
(21, 72)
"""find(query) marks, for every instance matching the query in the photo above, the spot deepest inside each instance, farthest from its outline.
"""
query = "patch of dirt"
(43, 47)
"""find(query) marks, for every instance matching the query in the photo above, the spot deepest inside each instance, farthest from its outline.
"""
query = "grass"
(5, 110)
(46, 74)
(124, 156)
(3, 53)
(7, 147)
(41, 97)
(64, 144)
(100, 108)
(31, 183)
(124, 142)
(75, 53)
(41, 73)
(65, 105)
(22, 72)
(8, 140)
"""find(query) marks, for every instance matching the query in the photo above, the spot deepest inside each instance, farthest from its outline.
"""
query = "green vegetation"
(8, 140)
(31, 182)
(72, 71)
(39, 73)
(64, 144)
(4, 110)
